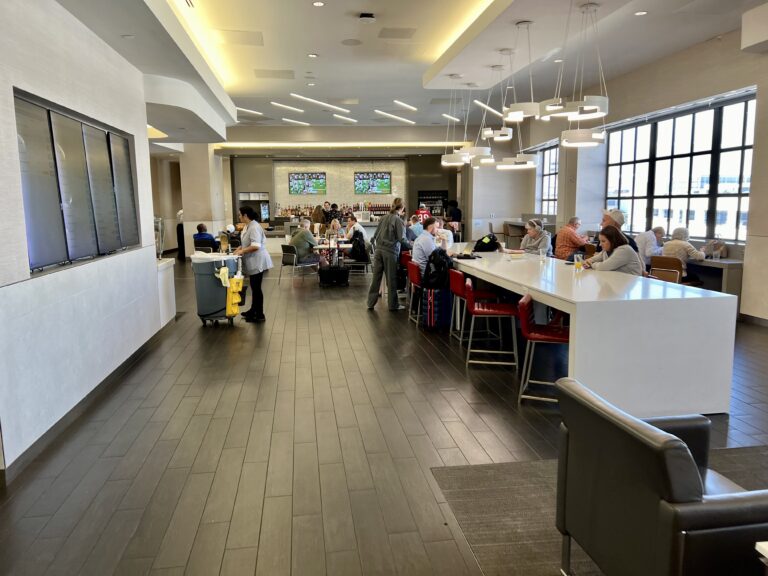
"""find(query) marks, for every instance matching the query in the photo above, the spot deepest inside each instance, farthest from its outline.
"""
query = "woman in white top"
(679, 247)
(617, 255)
(256, 261)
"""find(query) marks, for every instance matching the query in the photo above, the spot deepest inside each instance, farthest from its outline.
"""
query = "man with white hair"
(649, 244)
(305, 244)
(615, 217)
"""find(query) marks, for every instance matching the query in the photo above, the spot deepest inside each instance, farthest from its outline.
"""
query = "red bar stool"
(414, 283)
(536, 334)
(497, 310)
(459, 312)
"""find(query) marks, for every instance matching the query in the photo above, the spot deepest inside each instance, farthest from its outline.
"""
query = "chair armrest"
(692, 429)
(721, 511)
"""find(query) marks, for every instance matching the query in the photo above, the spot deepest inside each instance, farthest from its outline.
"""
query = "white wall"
(497, 195)
(339, 181)
(65, 331)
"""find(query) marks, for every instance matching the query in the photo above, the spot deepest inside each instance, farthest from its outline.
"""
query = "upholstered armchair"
(638, 497)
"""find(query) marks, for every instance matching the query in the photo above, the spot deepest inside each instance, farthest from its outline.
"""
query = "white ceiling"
(275, 37)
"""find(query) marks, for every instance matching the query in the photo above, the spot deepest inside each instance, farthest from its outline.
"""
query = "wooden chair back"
(666, 275)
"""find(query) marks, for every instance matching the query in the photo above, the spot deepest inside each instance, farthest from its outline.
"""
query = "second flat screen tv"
(311, 183)
(373, 183)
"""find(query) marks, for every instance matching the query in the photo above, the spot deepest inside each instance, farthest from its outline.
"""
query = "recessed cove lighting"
(312, 55)
(291, 108)
(298, 122)
(318, 4)
(398, 118)
(319, 103)
(641, 13)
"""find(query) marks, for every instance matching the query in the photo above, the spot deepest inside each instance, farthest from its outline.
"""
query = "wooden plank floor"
(299, 446)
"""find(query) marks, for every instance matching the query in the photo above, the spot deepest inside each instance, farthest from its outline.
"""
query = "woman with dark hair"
(390, 234)
(256, 261)
(617, 255)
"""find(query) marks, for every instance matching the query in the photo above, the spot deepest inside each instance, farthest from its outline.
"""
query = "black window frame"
(547, 197)
(663, 202)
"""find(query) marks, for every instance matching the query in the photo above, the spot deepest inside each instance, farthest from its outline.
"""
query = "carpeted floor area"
(507, 511)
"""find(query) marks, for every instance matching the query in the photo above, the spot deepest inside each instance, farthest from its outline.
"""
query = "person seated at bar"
(649, 244)
(536, 238)
(443, 232)
(615, 217)
(333, 214)
(354, 226)
(426, 243)
(679, 247)
(202, 234)
(305, 243)
(569, 240)
(318, 217)
(414, 229)
(616, 255)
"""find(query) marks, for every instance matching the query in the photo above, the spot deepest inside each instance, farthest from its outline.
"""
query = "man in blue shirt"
(425, 244)
(202, 234)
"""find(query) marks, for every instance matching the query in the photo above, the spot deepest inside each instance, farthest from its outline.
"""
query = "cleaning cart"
(217, 286)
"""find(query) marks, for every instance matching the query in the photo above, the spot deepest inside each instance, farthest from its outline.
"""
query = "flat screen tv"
(373, 182)
(312, 183)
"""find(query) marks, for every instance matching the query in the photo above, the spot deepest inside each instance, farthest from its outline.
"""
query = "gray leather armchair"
(638, 497)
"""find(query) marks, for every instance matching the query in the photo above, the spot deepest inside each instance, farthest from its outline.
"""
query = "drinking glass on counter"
(578, 262)
(542, 254)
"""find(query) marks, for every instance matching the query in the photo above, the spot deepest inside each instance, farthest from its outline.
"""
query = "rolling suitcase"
(436, 306)
(334, 276)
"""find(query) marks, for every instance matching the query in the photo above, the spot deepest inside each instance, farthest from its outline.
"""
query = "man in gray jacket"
(389, 236)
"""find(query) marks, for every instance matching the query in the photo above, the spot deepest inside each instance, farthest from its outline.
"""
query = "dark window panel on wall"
(74, 187)
(124, 192)
(102, 190)
(46, 241)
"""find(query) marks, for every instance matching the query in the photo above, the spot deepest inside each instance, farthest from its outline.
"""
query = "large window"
(549, 164)
(692, 170)
(77, 185)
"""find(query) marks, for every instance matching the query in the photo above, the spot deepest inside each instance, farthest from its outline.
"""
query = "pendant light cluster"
(580, 107)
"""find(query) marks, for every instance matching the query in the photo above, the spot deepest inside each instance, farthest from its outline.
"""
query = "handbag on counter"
(715, 246)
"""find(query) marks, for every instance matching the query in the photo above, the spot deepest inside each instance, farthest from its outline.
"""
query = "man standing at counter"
(389, 236)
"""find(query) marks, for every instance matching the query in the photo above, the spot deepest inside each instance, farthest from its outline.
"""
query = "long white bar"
(652, 348)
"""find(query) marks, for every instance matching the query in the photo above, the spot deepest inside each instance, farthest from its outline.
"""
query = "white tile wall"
(64, 332)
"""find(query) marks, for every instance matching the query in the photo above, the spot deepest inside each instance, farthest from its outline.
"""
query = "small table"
(333, 251)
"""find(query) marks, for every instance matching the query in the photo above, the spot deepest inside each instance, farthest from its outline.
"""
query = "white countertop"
(164, 263)
(560, 280)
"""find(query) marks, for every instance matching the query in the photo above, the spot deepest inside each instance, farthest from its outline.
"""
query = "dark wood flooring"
(299, 446)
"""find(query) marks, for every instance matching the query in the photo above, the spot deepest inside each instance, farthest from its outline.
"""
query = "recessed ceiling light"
(451, 118)
(404, 105)
(249, 111)
(310, 83)
(295, 122)
(319, 102)
(318, 4)
(399, 118)
(558, 60)
(312, 55)
(641, 13)
(345, 118)
(299, 110)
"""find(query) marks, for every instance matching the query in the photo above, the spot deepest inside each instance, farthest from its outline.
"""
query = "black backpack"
(436, 272)
(359, 253)
(488, 243)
